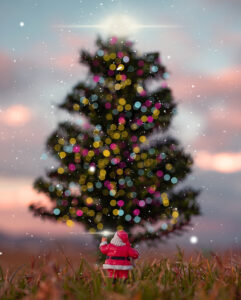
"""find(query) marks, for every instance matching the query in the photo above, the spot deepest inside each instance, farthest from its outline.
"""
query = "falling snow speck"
(21, 24)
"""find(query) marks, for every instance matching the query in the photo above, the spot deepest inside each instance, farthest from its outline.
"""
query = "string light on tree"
(92, 169)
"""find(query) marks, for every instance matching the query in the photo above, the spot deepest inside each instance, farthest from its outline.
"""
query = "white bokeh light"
(193, 239)
(106, 232)
(92, 169)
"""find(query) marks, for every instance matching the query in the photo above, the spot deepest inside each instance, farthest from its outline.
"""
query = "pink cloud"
(66, 61)
(224, 162)
(22, 194)
(76, 41)
(225, 83)
(72, 42)
(6, 70)
(228, 118)
(218, 102)
(16, 115)
(20, 220)
(212, 141)
(67, 57)
(14, 214)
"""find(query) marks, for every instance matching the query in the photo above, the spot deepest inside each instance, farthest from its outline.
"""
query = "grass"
(201, 276)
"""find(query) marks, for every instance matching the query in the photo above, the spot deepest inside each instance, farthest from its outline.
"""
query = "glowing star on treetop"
(119, 25)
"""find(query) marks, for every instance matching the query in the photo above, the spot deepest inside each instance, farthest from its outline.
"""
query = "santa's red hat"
(123, 236)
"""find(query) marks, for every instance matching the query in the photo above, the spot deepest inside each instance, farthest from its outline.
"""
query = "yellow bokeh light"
(134, 126)
(175, 214)
(119, 227)
(122, 101)
(76, 106)
(142, 138)
(89, 185)
(113, 55)
(57, 147)
(120, 108)
(109, 97)
(91, 213)
(91, 153)
(119, 171)
(173, 221)
(106, 57)
(61, 141)
(143, 155)
(144, 118)
(72, 141)
(117, 86)
(102, 172)
(70, 223)
(121, 127)
(136, 149)
(60, 170)
(100, 226)
(165, 202)
(85, 101)
(108, 117)
(96, 144)
(139, 89)
(156, 112)
(112, 67)
(62, 155)
(106, 153)
(108, 140)
(164, 195)
(113, 202)
(115, 212)
(127, 107)
(116, 135)
(89, 200)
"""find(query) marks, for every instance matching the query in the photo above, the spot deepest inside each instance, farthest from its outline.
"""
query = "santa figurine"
(119, 255)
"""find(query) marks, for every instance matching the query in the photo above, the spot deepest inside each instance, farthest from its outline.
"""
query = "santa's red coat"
(123, 251)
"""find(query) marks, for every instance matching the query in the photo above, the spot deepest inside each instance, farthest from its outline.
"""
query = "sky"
(39, 55)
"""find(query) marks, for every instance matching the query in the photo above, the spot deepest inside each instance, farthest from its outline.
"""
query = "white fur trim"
(117, 241)
(117, 267)
(102, 243)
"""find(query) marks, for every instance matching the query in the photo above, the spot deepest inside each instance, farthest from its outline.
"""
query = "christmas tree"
(112, 175)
